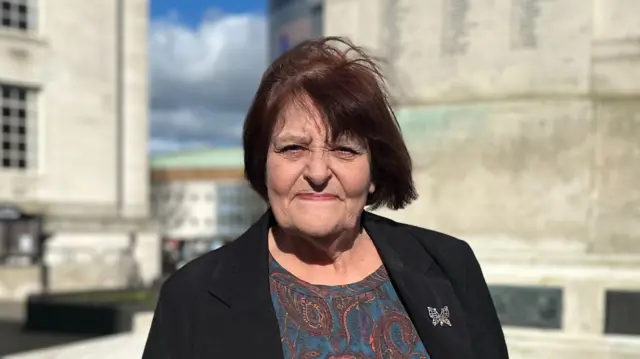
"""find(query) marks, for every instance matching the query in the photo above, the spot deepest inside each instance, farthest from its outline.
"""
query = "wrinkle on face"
(301, 157)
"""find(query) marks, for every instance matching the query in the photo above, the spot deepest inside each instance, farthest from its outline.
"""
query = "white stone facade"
(200, 209)
(84, 64)
(523, 119)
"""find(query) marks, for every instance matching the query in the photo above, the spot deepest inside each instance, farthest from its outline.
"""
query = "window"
(317, 27)
(278, 4)
(16, 106)
(17, 243)
(236, 209)
(20, 237)
(177, 222)
(316, 10)
(283, 44)
(15, 14)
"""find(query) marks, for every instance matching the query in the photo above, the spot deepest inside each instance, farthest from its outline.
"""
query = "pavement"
(14, 340)
(123, 345)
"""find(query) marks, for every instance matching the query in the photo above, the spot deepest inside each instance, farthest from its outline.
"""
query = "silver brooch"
(441, 318)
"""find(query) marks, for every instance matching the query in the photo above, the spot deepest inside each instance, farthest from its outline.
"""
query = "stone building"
(201, 200)
(523, 118)
(74, 167)
(291, 21)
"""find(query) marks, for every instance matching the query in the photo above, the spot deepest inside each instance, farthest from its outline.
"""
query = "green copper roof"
(209, 158)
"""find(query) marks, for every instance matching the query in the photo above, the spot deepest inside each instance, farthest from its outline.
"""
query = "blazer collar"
(241, 281)
(399, 251)
(421, 284)
(241, 277)
(248, 262)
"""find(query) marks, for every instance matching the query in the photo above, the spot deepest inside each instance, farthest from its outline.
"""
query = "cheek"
(356, 180)
(280, 177)
(357, 186)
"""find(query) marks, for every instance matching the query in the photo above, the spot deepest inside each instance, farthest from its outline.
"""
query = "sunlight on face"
(315, 188)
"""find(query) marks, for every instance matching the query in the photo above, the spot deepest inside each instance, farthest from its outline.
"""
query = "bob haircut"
(347, 89)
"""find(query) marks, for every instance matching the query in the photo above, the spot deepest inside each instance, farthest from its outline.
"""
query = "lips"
(317, 196)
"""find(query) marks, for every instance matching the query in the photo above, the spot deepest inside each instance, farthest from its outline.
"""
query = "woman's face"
(315, 188)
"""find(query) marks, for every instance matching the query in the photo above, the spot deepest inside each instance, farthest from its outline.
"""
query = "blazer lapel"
(421, 285)
(241, 282)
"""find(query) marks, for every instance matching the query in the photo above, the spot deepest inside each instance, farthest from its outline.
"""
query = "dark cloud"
(203, 79)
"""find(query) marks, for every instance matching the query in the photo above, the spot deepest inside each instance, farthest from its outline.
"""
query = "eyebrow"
(291, 138)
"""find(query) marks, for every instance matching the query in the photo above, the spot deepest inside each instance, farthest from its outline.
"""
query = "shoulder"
(184, 284)
(432, 240)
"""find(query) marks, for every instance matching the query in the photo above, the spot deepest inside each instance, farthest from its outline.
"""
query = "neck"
(318, 251)
(337, 260)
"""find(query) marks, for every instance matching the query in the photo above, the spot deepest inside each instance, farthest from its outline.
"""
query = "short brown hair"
(350, 94)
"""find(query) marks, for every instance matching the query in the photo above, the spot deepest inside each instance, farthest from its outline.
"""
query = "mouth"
(317, 196)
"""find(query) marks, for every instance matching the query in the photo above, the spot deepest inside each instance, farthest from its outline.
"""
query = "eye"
(343, 150)
(290, 149)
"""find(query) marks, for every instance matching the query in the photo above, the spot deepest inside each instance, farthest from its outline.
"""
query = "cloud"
(203, 79)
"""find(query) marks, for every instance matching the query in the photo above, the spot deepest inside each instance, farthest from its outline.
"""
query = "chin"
(316, 231)
(316, 227)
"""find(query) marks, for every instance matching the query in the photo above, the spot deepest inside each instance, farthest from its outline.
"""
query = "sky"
(206, 59)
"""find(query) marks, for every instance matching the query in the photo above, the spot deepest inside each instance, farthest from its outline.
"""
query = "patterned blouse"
(356, 321)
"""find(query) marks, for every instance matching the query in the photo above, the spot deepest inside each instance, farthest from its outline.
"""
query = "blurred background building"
(73, 156)
(291, 21)
(201, 201)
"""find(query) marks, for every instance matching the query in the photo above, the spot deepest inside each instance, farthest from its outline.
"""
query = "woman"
(317, 276)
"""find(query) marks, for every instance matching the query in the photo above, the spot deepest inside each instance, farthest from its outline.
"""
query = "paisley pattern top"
(355, 321)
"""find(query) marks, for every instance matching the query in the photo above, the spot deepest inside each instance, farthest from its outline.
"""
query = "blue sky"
(206, 59)
(191, 11)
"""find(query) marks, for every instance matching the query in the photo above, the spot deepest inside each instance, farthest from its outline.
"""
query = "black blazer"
(218, 306)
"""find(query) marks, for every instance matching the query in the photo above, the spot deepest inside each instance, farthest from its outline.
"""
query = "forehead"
(301, 119)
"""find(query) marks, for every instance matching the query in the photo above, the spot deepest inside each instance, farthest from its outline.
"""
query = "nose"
(317, 171)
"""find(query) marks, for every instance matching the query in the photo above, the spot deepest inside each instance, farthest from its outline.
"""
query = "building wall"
(85, 65)
(197, 214)
(205, 209)
(89, 138)
(538, 141)
(522, 118)
(292, 21)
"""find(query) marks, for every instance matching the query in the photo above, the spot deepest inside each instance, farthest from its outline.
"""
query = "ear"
(372, 188)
